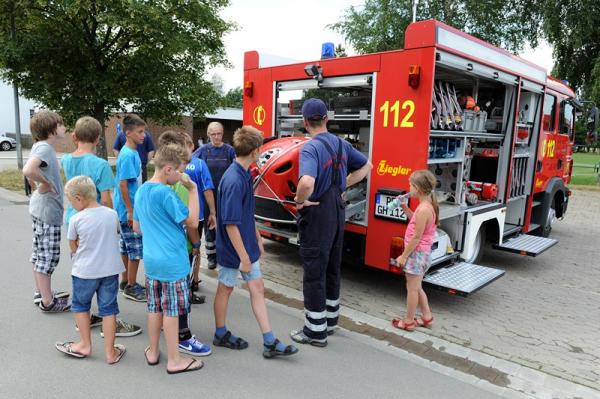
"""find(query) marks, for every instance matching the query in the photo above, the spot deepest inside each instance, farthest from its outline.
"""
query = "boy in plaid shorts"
(46, 209)
(159, 216)
(188, 342)
(129, 169)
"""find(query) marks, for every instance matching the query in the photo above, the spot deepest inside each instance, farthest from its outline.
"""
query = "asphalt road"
(352, 366)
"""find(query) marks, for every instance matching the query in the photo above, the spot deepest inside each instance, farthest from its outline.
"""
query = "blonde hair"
(82, 186)
(44, 124)
(175, 137)
(87, 129)
(425, 183)
(246, 139)
(170, 154)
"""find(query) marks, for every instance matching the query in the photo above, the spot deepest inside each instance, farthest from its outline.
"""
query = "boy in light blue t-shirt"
(83, 162)
(128, 180)
(160, 215)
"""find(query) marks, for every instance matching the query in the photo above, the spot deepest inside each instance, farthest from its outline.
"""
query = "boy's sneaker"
(57, 305)
(37, 297)
(125, 329)
(135, 293)
(122, 285)
(194, 347)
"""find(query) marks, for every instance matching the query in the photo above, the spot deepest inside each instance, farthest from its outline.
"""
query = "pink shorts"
(417, 263)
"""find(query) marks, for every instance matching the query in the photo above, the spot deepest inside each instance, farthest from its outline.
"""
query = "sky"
(296, 30)
(285, 28)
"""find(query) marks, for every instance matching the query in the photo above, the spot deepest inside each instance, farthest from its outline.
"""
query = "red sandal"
(399, 323)
(423, 322)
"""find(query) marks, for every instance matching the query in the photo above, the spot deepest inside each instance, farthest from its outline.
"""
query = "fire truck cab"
(494, 129)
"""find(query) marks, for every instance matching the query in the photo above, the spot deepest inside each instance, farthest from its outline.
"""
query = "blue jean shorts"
(229, 277)
(130, 242)
(106, 290)
(171, 298)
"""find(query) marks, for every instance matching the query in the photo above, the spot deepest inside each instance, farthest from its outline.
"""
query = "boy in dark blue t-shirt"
(239, 246)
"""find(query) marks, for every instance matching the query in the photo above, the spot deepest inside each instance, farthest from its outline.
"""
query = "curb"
(13, 197)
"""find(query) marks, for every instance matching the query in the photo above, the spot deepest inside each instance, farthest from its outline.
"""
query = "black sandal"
(271, 350)
(224, 341)
(198, 299)
(195, 285)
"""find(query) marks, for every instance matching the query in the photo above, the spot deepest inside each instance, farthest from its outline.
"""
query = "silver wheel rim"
(551, 217)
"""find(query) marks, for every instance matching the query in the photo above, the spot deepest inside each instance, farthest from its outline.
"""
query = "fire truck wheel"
(478, 245)
(549, 219)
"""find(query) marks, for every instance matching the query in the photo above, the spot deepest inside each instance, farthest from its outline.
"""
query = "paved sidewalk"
(352, 366)
(543, 314)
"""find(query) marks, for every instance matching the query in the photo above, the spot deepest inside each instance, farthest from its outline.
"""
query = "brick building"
(231, 118)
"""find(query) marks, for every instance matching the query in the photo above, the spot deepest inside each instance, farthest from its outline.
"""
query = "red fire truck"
(494, 129)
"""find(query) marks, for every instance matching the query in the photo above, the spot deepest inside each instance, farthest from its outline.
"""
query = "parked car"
(7, 143)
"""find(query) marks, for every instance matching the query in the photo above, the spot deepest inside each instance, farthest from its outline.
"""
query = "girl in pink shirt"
(416, 258)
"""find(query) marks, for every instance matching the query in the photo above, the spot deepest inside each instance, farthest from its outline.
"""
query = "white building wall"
(7, 110)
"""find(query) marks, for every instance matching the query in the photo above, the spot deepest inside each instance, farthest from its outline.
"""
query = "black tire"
(6, 146)
(479, 245)
(548, 219)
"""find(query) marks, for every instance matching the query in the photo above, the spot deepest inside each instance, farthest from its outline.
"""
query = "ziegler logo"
(384, 169)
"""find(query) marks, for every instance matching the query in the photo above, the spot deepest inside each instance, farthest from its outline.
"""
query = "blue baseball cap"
(314, 109)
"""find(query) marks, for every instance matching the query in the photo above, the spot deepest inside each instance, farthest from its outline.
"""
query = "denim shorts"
(229, 277)
(171, 298)
(106, 290)
(130, 242)
(417, 263)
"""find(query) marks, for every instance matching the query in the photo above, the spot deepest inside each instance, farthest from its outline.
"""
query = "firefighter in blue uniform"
(324, 165)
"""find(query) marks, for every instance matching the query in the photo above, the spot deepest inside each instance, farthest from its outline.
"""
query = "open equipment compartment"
(349, 100)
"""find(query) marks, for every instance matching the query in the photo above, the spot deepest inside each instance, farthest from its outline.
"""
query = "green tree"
(94, 57)
(340, 51)
(233, 98)
(573, 29)
(379, 25)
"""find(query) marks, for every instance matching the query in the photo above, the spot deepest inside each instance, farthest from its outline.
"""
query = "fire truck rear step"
(525, 244)
(462, 279)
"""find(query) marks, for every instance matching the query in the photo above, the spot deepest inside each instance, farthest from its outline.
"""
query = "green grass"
(583, 174)
(586, 158)
(12, 179)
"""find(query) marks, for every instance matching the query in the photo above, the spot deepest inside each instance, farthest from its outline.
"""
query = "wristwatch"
(299, 203)
(196, 245)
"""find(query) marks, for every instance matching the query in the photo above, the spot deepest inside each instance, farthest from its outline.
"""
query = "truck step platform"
(526, 245)
(462, 278)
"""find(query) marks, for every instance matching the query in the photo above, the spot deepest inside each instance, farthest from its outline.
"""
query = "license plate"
(382, 211)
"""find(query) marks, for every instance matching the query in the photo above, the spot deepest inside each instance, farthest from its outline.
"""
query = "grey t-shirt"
(98, 255)
(47, 207)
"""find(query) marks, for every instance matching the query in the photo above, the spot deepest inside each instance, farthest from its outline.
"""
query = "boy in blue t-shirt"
(84, 162)
(198, 172)
(128, 180)
(159, 216)
(239, 246)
